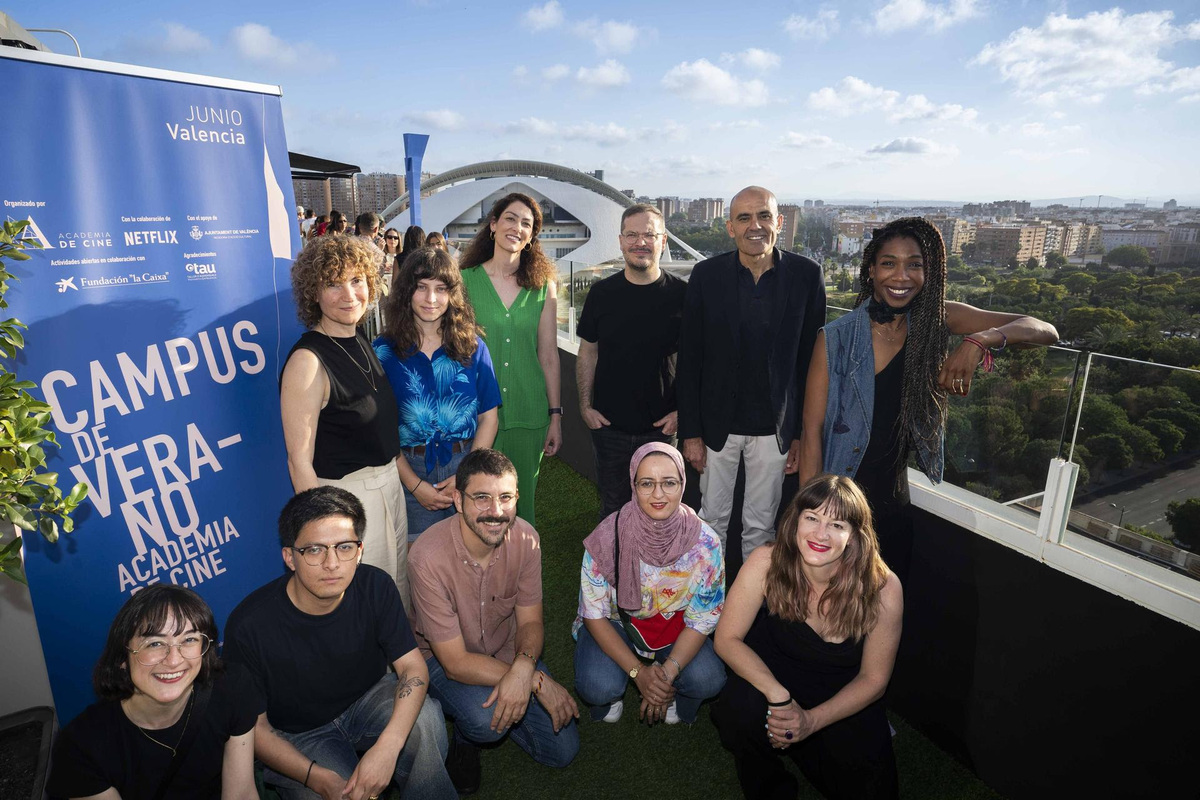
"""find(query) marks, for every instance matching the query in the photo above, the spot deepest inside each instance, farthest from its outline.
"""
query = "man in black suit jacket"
(749, 324)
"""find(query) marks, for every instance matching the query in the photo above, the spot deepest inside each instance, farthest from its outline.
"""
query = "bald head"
(754, 223)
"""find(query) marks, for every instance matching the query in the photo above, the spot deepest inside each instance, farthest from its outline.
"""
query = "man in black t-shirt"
(318, 642)
(628, 338)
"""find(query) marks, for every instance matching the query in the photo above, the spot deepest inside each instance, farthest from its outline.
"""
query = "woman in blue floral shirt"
(442, 376)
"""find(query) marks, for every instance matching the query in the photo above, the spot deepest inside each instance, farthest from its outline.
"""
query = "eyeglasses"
(392, 238)
(156, 651)
(314, 554)
(669, 486)
(484, 501)
(632, 238)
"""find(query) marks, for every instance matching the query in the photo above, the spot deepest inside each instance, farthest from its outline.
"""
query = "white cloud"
(541, 18)
(705, 82)
(604, 76)
(610, 36)
(912, 145)
(182, 40)
(804, 141)
(1044, 154)
(820, 27)
(520, 72)
(442, 119)
(606, 135)
(1081, 58)
(853, 95)
(900, 15)
(257, 44)
(556, 72)
(735, 125)
(1038, 130)
(753, 58)
(532, 126)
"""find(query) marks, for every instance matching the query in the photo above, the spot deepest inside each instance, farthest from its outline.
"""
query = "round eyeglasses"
(156, 651)
(669, 486)
(314, 554)
(483, 501)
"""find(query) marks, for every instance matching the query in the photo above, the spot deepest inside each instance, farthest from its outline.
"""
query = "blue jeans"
(420, 517)
(534, 732)
(600, 682)
(420, 769)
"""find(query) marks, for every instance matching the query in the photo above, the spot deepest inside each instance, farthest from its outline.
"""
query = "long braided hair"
(922, 401)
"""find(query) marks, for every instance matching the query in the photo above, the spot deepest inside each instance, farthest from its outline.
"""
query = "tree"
(1129, 255)
(1033, 263)
(1055, 260)
(1109, 451)
(1120, 284)
(1102, 337)
(1184, 519)
(1079, 321)
(1169, 435)
(969, 250)
(1079, 282)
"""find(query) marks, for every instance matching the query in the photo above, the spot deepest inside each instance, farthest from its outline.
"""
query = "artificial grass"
(629, 758)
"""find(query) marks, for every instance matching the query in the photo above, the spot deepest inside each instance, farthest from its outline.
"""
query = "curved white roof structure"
(463, 195)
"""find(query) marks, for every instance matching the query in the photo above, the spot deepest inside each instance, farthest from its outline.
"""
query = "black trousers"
(613, 451)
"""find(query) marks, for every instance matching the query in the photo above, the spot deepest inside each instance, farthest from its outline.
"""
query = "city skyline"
(904, 100)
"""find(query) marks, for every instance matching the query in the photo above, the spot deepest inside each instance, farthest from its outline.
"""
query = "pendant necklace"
(367, 373)
(186, 720)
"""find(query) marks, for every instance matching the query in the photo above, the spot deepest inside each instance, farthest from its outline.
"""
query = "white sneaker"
(615, 711)
(672, 714)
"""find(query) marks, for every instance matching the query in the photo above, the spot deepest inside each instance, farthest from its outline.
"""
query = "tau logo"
(196, 233)
(32, 231)
(66, 283)
(200, 271)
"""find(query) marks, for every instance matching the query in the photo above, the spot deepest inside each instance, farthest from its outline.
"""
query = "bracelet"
(416, 486)
(678, 669)
(1003, 343)
(308, 774)
(537, 688)
(556, 410)
(531, 658)
(787, 702)
(989, 363)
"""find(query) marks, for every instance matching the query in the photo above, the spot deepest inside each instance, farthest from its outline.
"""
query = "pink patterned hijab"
(659, 543)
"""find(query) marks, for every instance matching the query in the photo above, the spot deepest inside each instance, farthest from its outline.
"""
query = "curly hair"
(535, 269)
(458, 327)
(332, 259)
(923, 406)
(851, 601)
(146, 614)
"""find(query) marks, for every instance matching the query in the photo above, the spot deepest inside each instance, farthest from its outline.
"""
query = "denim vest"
(850, 404)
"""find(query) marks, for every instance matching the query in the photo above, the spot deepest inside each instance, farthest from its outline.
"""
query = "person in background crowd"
(477, 607)
(810, 631)
(442, 376)
(414, 238)
(310, 218)
(392, 254)
(319, 640)
(170, 722)
(340, 422)
(628, 340)
(337, 222)
(652, 589)
(435, 239)
(749, 323)
(510, 282)
(321, 226)
(880, 375)
(367, 226)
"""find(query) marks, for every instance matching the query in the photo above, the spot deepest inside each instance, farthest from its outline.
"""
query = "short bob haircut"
(330, 260)
(146, 614)
(851, 601)
(319, 503)
(483, 461)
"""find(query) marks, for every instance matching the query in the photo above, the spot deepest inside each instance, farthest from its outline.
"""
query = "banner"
(159, 311)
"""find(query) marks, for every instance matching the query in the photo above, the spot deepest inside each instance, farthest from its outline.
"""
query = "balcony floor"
(629, 759)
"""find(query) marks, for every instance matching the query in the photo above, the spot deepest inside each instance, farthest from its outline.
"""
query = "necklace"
(367, 373)
(186, 720)
(879, 329)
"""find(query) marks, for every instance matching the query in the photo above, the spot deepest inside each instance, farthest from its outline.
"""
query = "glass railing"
(575, 279)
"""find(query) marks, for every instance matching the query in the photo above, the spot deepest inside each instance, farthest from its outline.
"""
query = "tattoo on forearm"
(406, 686)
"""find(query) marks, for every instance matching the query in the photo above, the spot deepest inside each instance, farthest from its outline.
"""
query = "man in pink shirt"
(477, 611)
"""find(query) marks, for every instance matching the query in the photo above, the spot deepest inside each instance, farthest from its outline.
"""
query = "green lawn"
(630, 759)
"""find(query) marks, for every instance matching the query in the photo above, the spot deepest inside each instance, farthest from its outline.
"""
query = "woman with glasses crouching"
(171, 722)
(652, 589)
(810, 632)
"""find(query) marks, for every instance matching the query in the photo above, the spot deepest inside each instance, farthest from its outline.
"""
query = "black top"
(312, 668)
(752, 402)
(812, 669)
(883, 459)
(360, 426)
(636, 331)
(101, 749)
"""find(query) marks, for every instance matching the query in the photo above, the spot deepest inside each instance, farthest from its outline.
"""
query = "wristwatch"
(556, 410)
(633, 673)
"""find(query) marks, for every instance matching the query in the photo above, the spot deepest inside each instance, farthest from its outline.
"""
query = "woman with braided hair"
(880, 375)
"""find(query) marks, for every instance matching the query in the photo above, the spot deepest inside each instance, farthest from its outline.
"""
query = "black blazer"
(708, 345)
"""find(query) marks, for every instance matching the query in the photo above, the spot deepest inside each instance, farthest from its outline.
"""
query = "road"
(1146, 505)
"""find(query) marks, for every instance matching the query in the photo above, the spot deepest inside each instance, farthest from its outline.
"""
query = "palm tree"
(1101, 337)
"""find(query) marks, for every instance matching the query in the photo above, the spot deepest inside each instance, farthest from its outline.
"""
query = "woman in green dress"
(510, 282)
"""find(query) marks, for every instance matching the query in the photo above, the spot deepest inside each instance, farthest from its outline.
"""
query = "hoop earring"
(492, 235)
(528, 246)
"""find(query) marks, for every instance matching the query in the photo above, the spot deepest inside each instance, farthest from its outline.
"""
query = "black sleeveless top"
(812, 669)
(883, 459)
(360, 426)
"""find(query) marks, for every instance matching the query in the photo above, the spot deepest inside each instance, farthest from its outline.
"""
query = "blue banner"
(159, 311)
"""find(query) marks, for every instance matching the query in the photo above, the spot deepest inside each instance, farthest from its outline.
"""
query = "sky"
(954, 100)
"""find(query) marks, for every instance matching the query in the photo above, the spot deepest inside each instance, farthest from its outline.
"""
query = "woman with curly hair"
(340, 423)
(441, 373)
(170, 722)
(810, 630)
(510, 282)
(880, 375)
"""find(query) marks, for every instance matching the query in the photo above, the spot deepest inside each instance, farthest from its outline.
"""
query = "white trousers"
(385, 542)
(764, 488)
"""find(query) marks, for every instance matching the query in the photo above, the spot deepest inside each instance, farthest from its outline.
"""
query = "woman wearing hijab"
(651, 591)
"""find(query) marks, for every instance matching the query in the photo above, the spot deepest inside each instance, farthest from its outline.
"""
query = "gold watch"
(633, 673)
